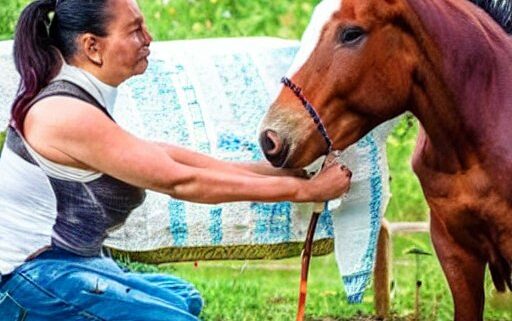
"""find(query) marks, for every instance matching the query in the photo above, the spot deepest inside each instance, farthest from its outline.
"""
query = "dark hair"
(38, 40)
(499, 10)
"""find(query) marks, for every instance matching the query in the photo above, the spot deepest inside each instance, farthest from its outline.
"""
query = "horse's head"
(357, 74)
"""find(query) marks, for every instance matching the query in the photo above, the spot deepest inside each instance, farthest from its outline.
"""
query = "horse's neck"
(467, 74)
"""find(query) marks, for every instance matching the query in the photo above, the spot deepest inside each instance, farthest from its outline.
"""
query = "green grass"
(9, 12)
(185, 19)
(268, 290)
(407, 202)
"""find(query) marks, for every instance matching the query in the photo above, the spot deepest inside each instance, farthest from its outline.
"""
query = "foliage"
(9, 11)
(2, 139)
(407, 202)
(185, 19)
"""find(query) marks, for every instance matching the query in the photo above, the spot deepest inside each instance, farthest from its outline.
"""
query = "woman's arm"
(188, 157)
(66, 126)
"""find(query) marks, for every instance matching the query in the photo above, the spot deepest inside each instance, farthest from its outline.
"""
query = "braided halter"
(311, 111)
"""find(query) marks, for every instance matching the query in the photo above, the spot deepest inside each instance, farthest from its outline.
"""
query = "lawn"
(267, 290)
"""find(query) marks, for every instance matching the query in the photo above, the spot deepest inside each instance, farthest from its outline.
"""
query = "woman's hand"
(332, 182)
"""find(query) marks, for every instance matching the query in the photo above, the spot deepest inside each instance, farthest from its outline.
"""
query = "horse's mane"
(500, 10)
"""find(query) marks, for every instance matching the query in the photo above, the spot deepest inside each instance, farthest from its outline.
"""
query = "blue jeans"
(59, 285)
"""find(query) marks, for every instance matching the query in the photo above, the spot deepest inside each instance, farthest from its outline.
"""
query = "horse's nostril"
(275, 149)
(271, 143)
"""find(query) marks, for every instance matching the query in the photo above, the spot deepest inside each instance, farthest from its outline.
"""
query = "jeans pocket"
(10, 310)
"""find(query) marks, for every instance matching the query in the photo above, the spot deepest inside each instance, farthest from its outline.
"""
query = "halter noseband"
(310, 109)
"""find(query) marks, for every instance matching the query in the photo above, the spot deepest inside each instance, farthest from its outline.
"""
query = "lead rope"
(306, 257)
(318, 208)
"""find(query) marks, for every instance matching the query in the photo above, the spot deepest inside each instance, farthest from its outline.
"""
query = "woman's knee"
(176, 286)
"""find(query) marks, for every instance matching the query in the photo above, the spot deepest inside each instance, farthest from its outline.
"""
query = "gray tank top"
(86, 211)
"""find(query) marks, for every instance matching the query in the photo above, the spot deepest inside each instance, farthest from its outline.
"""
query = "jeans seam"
(79, 311)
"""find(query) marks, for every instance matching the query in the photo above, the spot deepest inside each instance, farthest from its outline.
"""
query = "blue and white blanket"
(210, 95)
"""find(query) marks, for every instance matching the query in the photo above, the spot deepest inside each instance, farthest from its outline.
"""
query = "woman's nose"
(147, 35)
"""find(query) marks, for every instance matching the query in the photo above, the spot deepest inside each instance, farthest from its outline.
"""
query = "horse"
(448, 62)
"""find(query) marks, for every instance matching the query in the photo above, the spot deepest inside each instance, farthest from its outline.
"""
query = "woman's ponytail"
(40, 43)
(36, 60)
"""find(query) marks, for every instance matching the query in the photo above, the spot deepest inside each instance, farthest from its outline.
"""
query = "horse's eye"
(351, 35)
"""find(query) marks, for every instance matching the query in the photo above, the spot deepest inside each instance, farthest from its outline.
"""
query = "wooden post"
(382, 273)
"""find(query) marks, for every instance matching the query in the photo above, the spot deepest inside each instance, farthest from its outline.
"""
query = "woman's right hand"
(332, 182)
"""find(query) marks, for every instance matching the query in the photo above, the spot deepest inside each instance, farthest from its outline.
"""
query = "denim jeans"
(59, 285)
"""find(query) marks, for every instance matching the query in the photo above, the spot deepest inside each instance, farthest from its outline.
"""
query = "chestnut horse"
(449, 63)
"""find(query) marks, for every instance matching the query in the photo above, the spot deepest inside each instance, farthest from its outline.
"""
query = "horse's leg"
(463, 270)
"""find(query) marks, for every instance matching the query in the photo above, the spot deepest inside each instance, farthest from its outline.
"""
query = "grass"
(184, 19)
(267, 290)
(407, 203)
(9, 12)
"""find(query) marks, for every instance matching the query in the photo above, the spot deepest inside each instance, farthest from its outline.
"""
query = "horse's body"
(448, 63)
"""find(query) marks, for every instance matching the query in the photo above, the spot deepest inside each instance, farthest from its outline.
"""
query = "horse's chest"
(469, 205)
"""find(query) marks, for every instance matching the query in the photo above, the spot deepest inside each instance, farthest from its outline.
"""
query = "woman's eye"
(351, 35)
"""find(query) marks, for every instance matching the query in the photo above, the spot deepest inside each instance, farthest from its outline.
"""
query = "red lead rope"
(306, 257)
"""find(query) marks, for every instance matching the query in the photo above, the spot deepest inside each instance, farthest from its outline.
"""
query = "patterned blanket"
(209, 95)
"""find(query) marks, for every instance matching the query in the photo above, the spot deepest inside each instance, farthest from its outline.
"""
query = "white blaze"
(310, 38)
(282, 122)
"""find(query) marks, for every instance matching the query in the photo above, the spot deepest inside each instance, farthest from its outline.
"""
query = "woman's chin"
(141, 67)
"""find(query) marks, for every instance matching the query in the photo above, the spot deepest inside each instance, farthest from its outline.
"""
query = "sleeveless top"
(38, 208)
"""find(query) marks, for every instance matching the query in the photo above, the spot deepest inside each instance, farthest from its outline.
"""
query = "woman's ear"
(91, 46)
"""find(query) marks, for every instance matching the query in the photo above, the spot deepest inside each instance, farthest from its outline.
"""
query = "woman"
(69, 174)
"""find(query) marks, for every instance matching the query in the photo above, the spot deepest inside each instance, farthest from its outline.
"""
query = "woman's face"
(125, 50)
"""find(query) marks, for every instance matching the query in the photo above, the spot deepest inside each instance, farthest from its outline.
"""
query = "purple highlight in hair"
(36, 61)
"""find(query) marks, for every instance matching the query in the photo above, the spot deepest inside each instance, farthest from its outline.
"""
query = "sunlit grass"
(268, 290)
